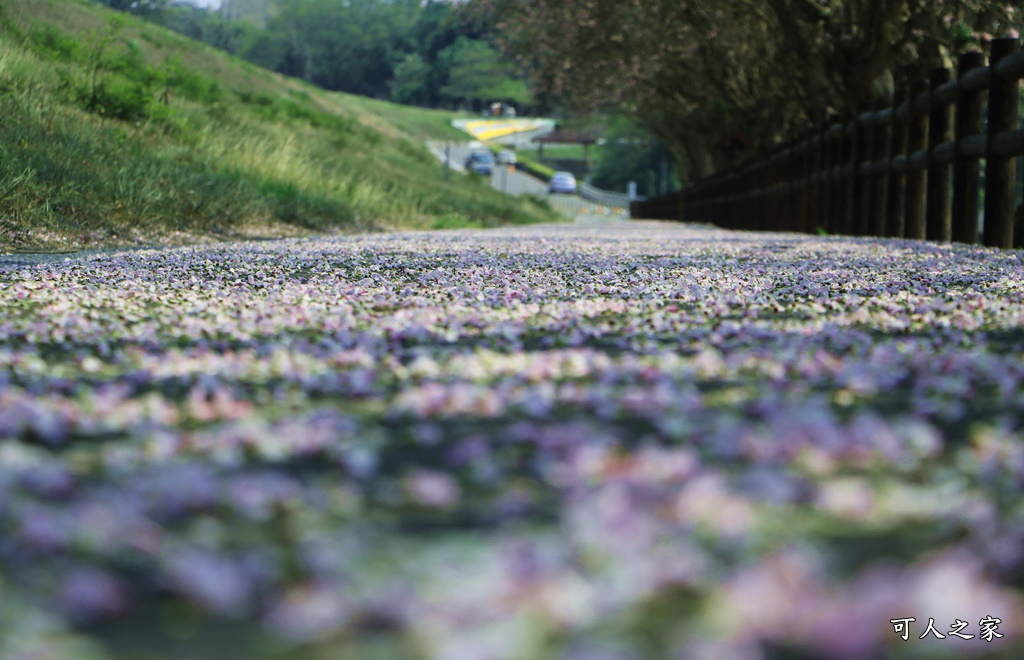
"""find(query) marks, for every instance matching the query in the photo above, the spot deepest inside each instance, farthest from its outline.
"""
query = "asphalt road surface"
(514, 182)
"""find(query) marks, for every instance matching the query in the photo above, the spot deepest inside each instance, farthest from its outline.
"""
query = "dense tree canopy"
(477, 72)
(699, 73)
(138, 6)
(425, 53)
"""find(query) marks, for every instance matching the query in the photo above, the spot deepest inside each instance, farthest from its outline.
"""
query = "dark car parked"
(480, 162)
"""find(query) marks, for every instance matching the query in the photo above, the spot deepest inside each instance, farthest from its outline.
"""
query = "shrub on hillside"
(119, 98)
(190, 84)
(49, 43)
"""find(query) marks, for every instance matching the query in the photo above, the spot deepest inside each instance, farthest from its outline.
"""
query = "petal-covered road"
(634, 440)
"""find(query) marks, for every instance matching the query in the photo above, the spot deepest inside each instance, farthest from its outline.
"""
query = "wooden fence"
(911, 170)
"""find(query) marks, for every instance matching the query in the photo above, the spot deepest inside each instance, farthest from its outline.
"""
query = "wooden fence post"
(969, 112)
(849, 185)
(757, 198)
(835, 181)
(755, 203)
(764, 196)
(745, 184)
(825, 180)
(880, 153)
(728, 197)
(701, 205)
(718, 206)
(768, 199)
(939, 212)
(779, 186)
(865, 184)
(735, 203)
(711, 206)
(804, 173)
(897, 200)
(1000, 172)
(793, 193)
(816, 182)
(917, 141)
(786, 188)
(735, 198)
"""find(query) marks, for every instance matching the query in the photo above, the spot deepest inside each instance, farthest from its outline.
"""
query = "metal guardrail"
(605, 197)
(586, 191)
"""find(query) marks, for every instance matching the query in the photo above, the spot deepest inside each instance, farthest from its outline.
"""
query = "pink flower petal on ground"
(433, 489)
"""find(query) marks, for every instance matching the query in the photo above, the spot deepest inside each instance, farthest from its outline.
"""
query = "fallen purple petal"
(578, 441)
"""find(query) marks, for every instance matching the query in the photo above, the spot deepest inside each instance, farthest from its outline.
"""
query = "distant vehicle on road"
(506, 157)
(562, 182)
(480, 162)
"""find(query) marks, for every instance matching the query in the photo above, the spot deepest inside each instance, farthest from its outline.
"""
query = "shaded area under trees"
(718, 79)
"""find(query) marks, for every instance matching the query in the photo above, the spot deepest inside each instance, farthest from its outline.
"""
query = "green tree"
(411, 83)
(478, 74)
(437, 28)
(631, 153)
(139, 7)
(214, 28)
(266, 49)
(346, 45)
(404, 50)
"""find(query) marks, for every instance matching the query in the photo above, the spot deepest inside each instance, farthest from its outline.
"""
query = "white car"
(562, 182)
(506, 157)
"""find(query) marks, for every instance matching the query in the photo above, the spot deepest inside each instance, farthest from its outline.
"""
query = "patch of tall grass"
(111, 138)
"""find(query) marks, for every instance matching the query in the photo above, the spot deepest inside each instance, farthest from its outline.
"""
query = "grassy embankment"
(116, 131)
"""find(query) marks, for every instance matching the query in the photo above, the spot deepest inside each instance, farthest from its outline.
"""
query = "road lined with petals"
(575, 441)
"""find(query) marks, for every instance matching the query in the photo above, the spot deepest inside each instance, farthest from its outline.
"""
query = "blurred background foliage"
(430, 54)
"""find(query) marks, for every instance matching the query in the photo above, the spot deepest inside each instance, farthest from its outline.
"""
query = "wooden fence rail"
(911, 170)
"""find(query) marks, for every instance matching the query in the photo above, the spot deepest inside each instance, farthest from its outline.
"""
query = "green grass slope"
(117, 132)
